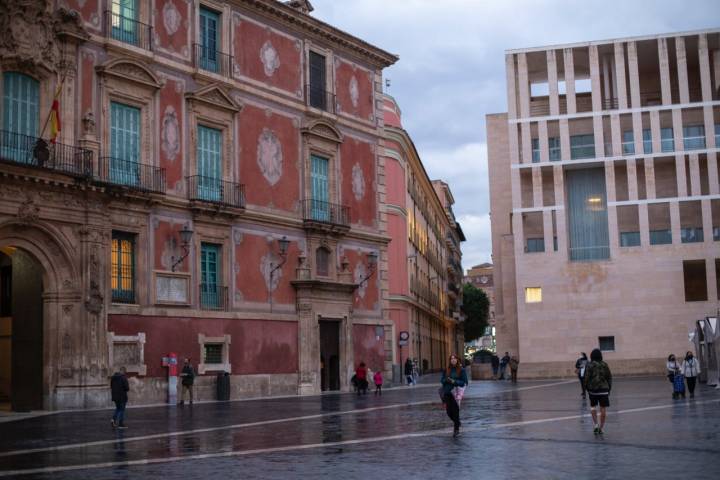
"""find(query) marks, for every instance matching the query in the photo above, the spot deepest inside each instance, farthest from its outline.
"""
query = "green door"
(209, 22)
(319, 177)
(124, 144)
(209, 164)
(21, 99)
(209, 291)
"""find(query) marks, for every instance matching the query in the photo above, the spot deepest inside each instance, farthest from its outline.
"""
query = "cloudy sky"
(452, 72)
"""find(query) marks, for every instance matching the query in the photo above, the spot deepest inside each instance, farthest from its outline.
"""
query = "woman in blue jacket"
(453, 376)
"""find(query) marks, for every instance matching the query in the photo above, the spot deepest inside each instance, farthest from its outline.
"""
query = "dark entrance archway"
(21, 330)
(329, 355)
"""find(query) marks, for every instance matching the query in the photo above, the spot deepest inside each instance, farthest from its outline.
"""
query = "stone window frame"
(142, 295)
(139, 339)
(329, 262)
(225, 278)
(322, 139)
(203, 367)
(329, 74)
(225, 37)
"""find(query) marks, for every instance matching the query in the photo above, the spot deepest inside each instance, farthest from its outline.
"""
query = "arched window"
(322, 261)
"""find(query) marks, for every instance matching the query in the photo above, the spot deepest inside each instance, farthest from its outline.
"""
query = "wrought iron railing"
(133, 175)
(325, 212)
(213, 297)
(214, 190)
(211, 60)
(128, 30)
(318, 97)
(36, 152)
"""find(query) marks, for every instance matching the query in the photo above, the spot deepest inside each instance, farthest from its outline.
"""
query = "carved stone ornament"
(270, 156)
(28, 212)
(95, 299)
(267, 263)
(269, 58)
(170, 134)
(358, 182)
(88, 123)
(354, 91)
(171, 18)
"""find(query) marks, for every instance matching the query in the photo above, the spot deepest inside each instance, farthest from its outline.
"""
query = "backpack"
(598, 375)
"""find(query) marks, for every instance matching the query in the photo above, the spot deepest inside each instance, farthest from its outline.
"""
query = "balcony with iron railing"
(216, 191)
(213, 297)
(318, 97)
(318, 213)
(36, 152)
(211, 60)
(128, 30)
(131, 175)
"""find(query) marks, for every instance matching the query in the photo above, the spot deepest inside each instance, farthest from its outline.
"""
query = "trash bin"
(223, 386)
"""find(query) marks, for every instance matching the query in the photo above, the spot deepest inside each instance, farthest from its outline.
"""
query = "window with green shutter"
(209, 36)
(21, 99)
(209, 274)
(319, 188)
(124, 21)
(209, 163)
(124, 144)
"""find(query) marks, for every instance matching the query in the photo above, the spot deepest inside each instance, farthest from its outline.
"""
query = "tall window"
(582, 146)
(123, 267)
(628, 143)
(317, 88)
(319, 185)
(21, 97)
(124, 144)
(647, 140)
(209, 39)
(209, 273)
(209, 163)
(695, 280)
(667, 143)
(587, 214)
(124, 21)
(694, 137)
(554, 144)
(535, 146)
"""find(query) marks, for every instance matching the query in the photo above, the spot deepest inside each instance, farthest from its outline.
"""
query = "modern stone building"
(605, 200)
(214, 192)
(424, 274)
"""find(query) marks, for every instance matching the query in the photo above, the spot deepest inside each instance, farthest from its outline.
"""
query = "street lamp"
(372, 258)
(283, 245)
(185, 237)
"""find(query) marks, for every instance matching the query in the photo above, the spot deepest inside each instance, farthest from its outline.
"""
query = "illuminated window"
(123, 267)
(533, 294)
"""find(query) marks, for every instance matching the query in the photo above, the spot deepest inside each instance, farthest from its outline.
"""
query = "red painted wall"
(357, 155)
(87, 83)
(249, 39)
(89, 12)
(172, 25)
(371, 294)
(344, 74)
(257, 346)
(162, 235)
(171, 128)
(397, 255)
(260, 190)
(396, 189)
(251, 253)
(369, 348)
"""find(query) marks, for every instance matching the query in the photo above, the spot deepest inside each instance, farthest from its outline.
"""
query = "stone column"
(713, 172)
(523, 86)
(569, 80)
(621, 90)
(510, 80)
(537, 187)
(694, 174)
(308, 347)
(644, 224)
(664, 71)
(704, 60)
(632, 179)
(675, 221)
(547, 230)
(615, 135)
(526, 138)
(634, 75)
(553, 83)
(543, 141)
(595, 79)
(682, 70)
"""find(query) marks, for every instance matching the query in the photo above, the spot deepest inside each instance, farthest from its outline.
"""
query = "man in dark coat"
(188, 379)
(409, 371)
(495, 363)
(119, 387)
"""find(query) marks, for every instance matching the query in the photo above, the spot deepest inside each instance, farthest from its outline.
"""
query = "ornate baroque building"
(214, 192)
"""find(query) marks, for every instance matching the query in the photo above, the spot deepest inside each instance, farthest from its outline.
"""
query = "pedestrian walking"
(495, 363)
(188, 379)
(361, 379)
(598, 383)
(409, 371)
(378, 380)
(514, 363)
(503, 365)
(453, 376)
(580, 366)
(691, 369)
(119, 389)
(673, 370)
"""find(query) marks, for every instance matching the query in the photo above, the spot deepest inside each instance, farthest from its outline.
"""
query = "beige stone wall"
(632, 366)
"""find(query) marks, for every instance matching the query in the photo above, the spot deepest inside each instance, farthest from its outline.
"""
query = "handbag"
(459, 393)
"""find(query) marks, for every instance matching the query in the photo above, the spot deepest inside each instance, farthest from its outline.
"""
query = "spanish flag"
(55, 117)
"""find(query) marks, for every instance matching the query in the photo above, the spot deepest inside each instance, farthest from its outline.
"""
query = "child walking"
(377, 378)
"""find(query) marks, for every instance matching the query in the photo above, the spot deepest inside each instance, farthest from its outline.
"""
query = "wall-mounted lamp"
(185, 238)
(372, 258)
(283, 245)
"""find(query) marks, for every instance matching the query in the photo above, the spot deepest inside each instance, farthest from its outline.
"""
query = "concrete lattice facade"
(645, 111)
(261, 319)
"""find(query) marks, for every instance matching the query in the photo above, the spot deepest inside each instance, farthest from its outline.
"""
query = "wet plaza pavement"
(532, 430)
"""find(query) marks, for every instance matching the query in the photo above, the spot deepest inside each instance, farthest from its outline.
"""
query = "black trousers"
(691, 384)
(582, 383)
(452, 409)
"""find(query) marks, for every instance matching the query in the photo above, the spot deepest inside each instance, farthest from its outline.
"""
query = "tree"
(475, 307)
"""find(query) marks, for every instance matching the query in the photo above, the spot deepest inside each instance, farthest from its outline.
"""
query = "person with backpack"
(598, 383)
(691, 369)
(580, 366)
(188, 379)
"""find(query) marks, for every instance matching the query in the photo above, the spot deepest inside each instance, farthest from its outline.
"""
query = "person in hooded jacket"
(598, 383)
(119, 389)
(691, 369)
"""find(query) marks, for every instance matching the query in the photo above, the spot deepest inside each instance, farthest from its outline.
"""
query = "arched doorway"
(21, 330)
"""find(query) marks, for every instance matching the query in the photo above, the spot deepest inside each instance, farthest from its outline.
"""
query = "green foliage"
(476, 306)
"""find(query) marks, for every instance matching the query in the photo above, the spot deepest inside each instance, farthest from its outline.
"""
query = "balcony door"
(317, 81)
(209, 22)
(209, 164)
(209, 260)
(319, 185)
(124, 144)
(124, 21)
(21, 100)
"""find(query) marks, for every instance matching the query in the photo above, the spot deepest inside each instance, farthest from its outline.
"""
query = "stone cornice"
(318, 29)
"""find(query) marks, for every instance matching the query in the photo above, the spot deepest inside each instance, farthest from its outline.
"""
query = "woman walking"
(598, 383)
(361, 379)
(453, 376)
(691, 369)
(673, 370)
(580, 366)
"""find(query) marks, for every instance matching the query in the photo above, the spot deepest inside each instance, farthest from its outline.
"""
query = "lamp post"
(372, 258)
(283, 245)
(185, 238)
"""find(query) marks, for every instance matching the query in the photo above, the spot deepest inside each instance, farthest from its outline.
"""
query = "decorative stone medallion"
(358, 182)
(354, 91)
(269, 58)
(269, 156)
(170, 134)
(360, 273)
(267, 263)
(171, 18)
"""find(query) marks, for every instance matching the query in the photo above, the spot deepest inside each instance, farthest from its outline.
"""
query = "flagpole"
(57, 92)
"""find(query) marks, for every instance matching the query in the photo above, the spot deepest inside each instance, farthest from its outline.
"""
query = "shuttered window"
(209, 163)
(319, 185)
(21, 97)
(209, 22)
(209, 272)
(122, 267)
(124, 144)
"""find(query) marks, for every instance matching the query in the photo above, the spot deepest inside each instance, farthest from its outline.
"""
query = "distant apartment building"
(481, 276)
(424, 258)
(605, 200)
